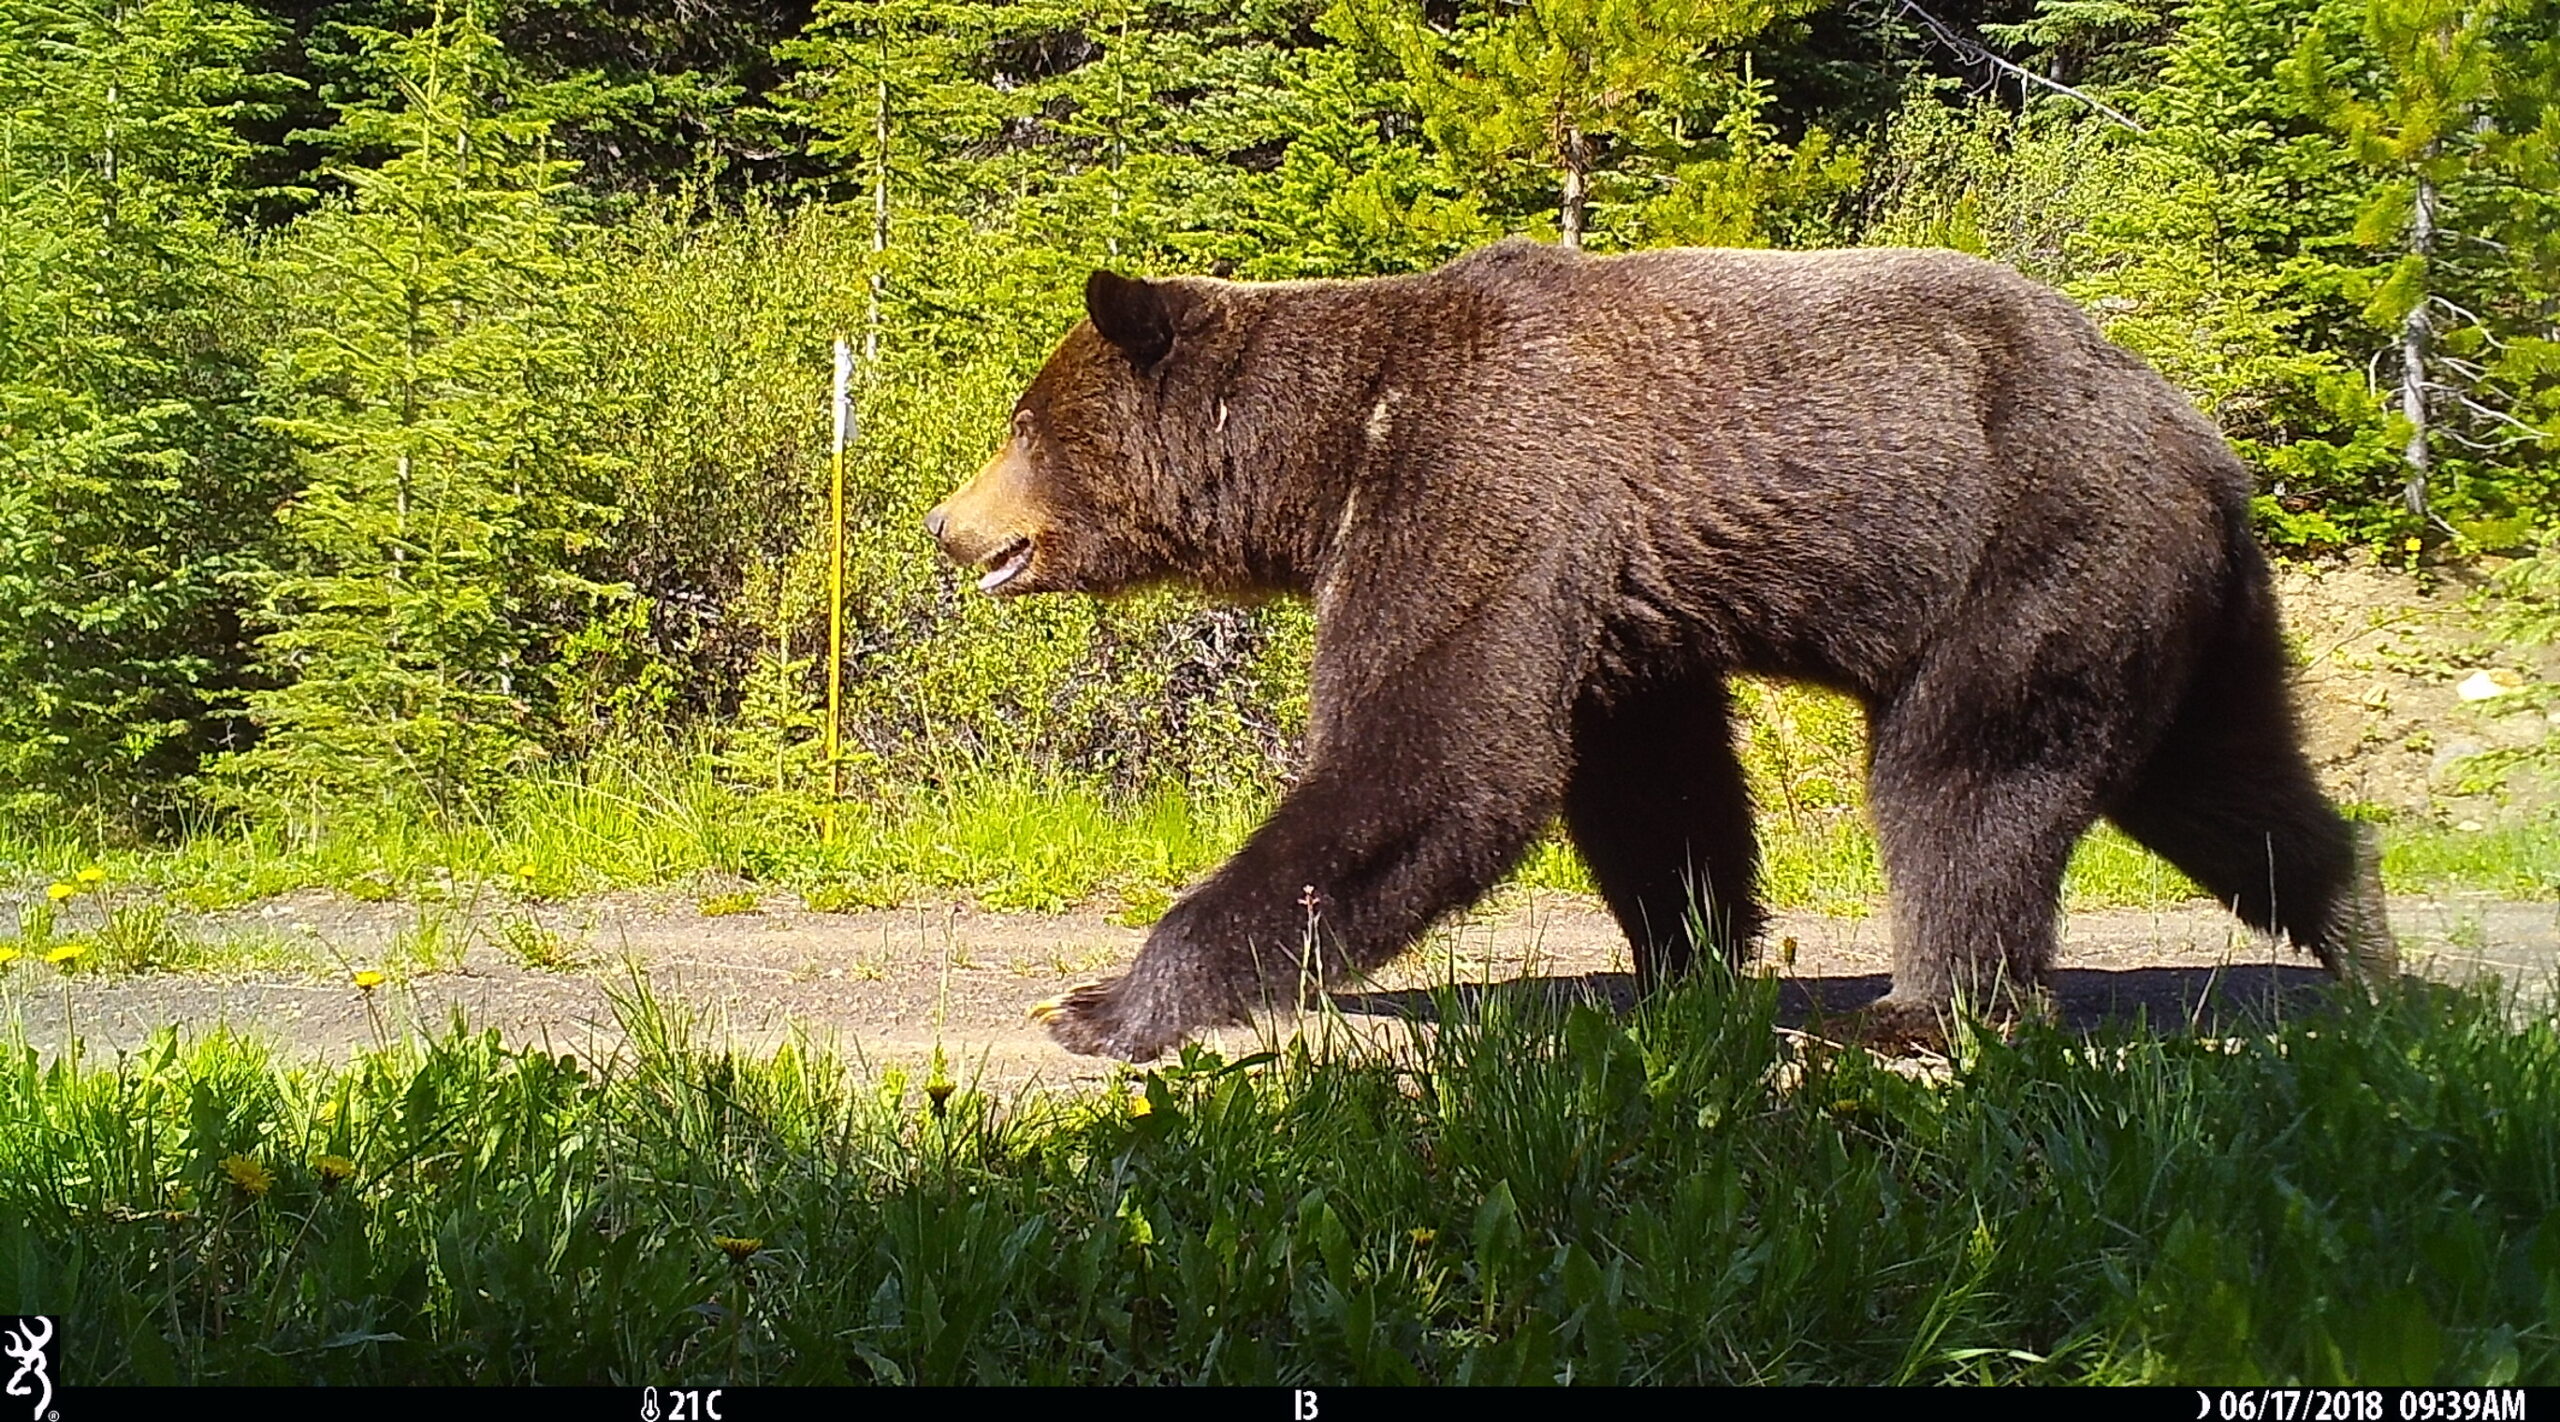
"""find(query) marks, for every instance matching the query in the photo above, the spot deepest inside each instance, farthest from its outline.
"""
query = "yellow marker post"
(835, 595)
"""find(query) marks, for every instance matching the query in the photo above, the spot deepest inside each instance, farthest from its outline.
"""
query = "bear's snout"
(991, 522)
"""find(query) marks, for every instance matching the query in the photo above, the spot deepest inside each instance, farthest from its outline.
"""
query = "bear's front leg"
(1417, 804)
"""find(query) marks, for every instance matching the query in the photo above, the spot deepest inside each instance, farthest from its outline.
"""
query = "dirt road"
(891, 986)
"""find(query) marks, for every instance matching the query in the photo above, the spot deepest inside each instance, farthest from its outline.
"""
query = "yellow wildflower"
(59, 890)
(334, 1170)
(92, 876)
(249, 1176)
(1141, 1106)
(9, 955)
(528, 870)
(2416, 544)
(67, 954)
(1422, 1235)
(369, 979)
(739, 1248)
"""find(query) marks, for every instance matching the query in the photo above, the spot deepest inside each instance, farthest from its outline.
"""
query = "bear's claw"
(1096, 1021)
(1138, 1017)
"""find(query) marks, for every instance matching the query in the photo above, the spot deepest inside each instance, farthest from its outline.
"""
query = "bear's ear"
(1133, 314)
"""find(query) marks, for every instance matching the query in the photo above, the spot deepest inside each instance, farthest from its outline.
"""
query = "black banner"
(1290, 1404)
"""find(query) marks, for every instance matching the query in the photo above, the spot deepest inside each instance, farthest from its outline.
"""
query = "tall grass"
(1528, 1194)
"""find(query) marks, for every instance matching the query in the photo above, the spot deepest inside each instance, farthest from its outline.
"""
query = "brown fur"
(1545, 503)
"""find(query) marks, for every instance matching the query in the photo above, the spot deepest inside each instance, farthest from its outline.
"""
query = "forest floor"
(892, 987)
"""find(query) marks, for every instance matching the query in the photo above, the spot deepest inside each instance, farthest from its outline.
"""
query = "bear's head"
(1097, 485)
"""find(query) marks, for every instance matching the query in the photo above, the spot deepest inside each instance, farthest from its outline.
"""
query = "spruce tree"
(1357, 190)
(446, 495)
(1568, 94)
(2085, 42)
(900, 95)
(2222, 265)
(135, 488)
(2520, 169)
(2416, 134)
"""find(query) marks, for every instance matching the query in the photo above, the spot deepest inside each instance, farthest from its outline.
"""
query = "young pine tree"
(447, 495)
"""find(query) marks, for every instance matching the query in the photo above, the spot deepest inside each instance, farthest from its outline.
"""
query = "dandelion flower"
(1422, 1234)
(2416, 544)
(248, 1176)
(528, 870)
(92, 876)
(334, 1170)
(1141, 1106)
(739, 1248)
(60, 890)
(9, 955)
(369, 979)
(938, 1092)
(67, 954)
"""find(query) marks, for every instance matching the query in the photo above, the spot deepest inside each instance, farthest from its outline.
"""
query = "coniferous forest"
(406, 401)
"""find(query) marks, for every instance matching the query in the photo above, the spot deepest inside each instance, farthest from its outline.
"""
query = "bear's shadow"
(2209, 1001)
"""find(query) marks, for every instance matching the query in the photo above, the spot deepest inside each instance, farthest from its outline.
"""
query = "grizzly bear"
(1545, 503)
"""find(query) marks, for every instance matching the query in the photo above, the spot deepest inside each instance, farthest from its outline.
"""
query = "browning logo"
(27, 1348)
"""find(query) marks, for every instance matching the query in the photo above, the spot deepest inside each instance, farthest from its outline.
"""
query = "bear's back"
(1893, 348)
(1742, 417)
(1850, 298)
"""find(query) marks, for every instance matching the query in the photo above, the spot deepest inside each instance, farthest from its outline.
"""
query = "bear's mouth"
(1005, 564)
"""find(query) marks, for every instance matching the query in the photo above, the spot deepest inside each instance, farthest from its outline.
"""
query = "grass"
(1006, 841)
(1010, 840)
(1531, 1194)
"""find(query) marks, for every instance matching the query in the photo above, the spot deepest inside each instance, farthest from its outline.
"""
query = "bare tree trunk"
(2415, 336)
(1575, 199)
(879, 216)
(107, 159)
(1119, 140)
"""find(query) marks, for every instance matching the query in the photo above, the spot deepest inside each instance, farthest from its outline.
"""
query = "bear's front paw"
(1896, 1026)
(1119, 1018)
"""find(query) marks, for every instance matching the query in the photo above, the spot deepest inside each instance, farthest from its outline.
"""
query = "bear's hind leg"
(2229, 799)
(1657, 806)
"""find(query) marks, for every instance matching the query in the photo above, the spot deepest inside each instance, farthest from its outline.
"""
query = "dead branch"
(1972, 51)
(2501, 416)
